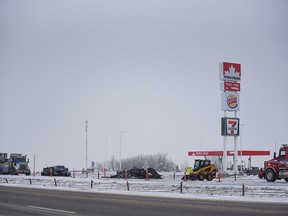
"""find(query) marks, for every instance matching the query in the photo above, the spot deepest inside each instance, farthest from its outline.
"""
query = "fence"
(162, 186)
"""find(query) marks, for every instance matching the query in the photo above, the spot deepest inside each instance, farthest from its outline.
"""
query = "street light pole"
(121, 132)
(106, 140)
(86, 147)
(201, 142)
(34, 165)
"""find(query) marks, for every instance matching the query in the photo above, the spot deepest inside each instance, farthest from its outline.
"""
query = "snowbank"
(255, 189)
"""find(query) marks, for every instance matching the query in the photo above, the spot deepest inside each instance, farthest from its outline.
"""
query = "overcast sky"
(149, 68)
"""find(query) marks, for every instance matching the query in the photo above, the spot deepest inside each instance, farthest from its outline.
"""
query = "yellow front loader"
(203, 169)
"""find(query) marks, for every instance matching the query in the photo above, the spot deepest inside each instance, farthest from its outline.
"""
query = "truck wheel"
(201, 176)
(270, 176)
(286, 179)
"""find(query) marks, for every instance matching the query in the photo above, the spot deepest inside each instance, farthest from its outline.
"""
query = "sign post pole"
(235, 162)
(224, 159)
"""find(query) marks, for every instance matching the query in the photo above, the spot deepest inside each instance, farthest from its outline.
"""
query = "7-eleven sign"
(230, 126)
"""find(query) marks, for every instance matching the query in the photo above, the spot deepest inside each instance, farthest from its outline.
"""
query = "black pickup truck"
(56, 171)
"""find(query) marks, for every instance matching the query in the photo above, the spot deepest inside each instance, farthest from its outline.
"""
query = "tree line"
(159, 162)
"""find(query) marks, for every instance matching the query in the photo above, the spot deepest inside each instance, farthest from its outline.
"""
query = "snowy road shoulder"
(255, 189)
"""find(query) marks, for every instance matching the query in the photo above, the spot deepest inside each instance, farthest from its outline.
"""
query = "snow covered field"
(227, 189)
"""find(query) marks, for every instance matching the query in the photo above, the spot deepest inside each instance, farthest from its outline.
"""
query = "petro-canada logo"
(230, 71)
(232, 101)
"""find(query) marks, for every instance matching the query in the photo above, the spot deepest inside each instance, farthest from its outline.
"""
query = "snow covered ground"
(256, 189)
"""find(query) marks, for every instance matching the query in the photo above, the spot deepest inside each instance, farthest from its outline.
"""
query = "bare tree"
(158, 161)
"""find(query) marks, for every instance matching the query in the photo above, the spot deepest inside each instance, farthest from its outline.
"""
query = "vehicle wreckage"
(138, 173)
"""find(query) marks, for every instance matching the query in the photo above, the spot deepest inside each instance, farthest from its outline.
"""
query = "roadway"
(31, 201)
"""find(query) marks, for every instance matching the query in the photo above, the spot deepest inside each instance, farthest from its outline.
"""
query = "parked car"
(252, 171)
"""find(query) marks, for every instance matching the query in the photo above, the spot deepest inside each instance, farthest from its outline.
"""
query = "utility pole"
(87, 147)
(121, 149)
(34, 165)
(106, 141)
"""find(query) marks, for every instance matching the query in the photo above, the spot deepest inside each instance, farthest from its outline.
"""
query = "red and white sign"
(205, 153)
(230, 86)
(229, 153)
(230, 71)
(230, 126)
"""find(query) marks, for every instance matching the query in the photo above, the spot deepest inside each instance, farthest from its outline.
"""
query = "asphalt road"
(30, 201)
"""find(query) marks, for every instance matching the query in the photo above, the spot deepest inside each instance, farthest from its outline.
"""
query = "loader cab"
(197, 165)
(201, 163)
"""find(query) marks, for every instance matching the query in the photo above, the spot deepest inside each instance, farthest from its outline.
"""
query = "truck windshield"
(282, 153)
(20, 160)
(59, 167)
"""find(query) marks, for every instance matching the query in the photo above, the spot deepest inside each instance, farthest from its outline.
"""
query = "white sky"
(149, 68)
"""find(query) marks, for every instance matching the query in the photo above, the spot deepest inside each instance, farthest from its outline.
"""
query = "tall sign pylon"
(230, 77)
